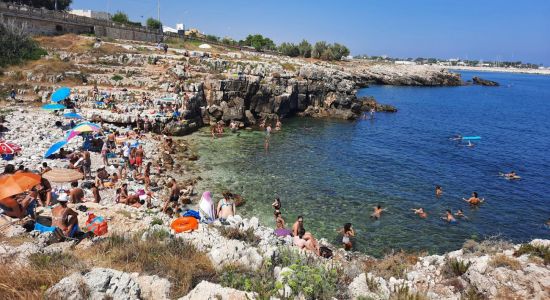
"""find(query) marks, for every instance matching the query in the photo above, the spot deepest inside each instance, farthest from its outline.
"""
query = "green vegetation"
(323, 50)
(457, 267)
(233, 233)
(538, 251)
(122, 18)
(48, 4)
(117, 77)
(304, 276)
(402, 292)
(153, 24)
(16, 45)
(258, 42)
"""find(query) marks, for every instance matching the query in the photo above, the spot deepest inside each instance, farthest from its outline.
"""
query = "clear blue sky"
(473, 29)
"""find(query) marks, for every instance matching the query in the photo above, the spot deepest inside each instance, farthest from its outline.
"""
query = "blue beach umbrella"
(53, 106)
(61, 94)
(73, 115)
(54, 148)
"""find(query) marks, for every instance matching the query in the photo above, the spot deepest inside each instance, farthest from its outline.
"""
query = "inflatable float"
(471, 138)
(185, 224)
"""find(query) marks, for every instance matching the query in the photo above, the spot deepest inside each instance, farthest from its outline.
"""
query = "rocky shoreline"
(141, 259)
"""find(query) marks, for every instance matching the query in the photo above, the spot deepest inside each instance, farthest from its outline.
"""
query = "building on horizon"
(100, 15)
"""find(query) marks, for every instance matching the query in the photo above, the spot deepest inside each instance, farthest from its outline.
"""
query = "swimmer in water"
(460, 214)
(511, 176)
(438, 191)
(377, 212)
(457, 137)
(420, 212)
(449, 217)
(474, 200)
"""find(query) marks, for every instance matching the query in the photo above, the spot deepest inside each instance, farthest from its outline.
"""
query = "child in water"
(348, 232)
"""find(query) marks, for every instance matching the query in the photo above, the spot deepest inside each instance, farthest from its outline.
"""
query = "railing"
(41, 13)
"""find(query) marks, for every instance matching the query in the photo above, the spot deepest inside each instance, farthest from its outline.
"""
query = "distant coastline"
(502, 70)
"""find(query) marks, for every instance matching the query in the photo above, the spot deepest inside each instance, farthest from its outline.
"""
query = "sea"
(332, 172)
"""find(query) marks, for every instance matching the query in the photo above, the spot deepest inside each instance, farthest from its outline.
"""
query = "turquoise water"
(333, 172)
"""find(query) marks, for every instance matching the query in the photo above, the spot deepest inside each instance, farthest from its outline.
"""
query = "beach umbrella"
(205, 46)
(86, 127)
(61, 94)
(53, 106)
(73, 115)
(9, 148)
(63, 175)
(17, 183)
(55, 147)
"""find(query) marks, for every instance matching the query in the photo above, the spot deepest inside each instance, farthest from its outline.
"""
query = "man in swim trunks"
(474, 200)
(420, 212)
(449, 217)
(76, 194)
(377, 212)
(140, 155)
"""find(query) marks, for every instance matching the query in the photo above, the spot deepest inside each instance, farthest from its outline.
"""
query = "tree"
(289, 49)
(338, 51)
(120, 17)
(16, 45)
(304, 48)
(153, 24)
(319, 49)
(48, 4)
(259, 42)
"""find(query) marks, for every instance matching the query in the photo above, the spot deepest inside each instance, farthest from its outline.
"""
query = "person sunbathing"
(64, 217)
(19, 206)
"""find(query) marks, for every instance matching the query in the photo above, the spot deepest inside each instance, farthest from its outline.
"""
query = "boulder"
(208, 290)
(484, 82)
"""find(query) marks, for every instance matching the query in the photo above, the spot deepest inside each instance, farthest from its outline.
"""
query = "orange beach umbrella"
(17, 183)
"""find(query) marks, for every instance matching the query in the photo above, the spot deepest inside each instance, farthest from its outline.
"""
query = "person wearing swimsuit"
(348, 232)
(65, 218)
(226, 207)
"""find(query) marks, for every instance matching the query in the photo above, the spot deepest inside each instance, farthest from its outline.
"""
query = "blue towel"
(192, 213)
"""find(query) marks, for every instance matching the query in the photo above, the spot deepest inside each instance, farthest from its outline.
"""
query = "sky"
(477, 30)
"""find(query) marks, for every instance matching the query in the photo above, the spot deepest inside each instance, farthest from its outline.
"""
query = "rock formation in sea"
(484, 82)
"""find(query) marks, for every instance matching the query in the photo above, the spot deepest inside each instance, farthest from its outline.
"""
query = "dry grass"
(68, 42)
(288, 67)
(395, 264)
(489, 246)
(173, 259)
(501, 260)
(32, 281)
(16, 240)
(233, 233)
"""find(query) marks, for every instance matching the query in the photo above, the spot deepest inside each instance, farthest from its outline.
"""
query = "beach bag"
(97, 225)
(325, 252)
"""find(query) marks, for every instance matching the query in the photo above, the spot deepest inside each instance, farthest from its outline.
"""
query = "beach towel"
(192, 213)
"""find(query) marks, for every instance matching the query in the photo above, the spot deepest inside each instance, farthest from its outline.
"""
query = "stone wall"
(46, 22)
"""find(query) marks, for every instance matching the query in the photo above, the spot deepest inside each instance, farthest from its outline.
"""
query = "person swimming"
(511, 176)
(449, 217)
(438, 191)
(456, 137)
(420, 212)
(460, 214)
(377, 212)
(474, 200)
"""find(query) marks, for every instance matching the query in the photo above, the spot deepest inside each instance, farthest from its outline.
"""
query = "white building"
(404, 62)
(91, 14)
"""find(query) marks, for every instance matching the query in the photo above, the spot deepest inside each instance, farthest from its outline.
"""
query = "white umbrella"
(205, 46)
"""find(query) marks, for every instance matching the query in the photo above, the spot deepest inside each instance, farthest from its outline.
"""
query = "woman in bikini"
(65, 218)
(348, 233)
(226, 206)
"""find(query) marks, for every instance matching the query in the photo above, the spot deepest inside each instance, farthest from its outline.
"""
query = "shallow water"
(333, 172)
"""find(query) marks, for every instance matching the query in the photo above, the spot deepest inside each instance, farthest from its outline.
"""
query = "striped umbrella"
(63, 175)
(82, 127)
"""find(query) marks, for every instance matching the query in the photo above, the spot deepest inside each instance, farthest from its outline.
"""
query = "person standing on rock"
(140, 155)
(87, 164)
